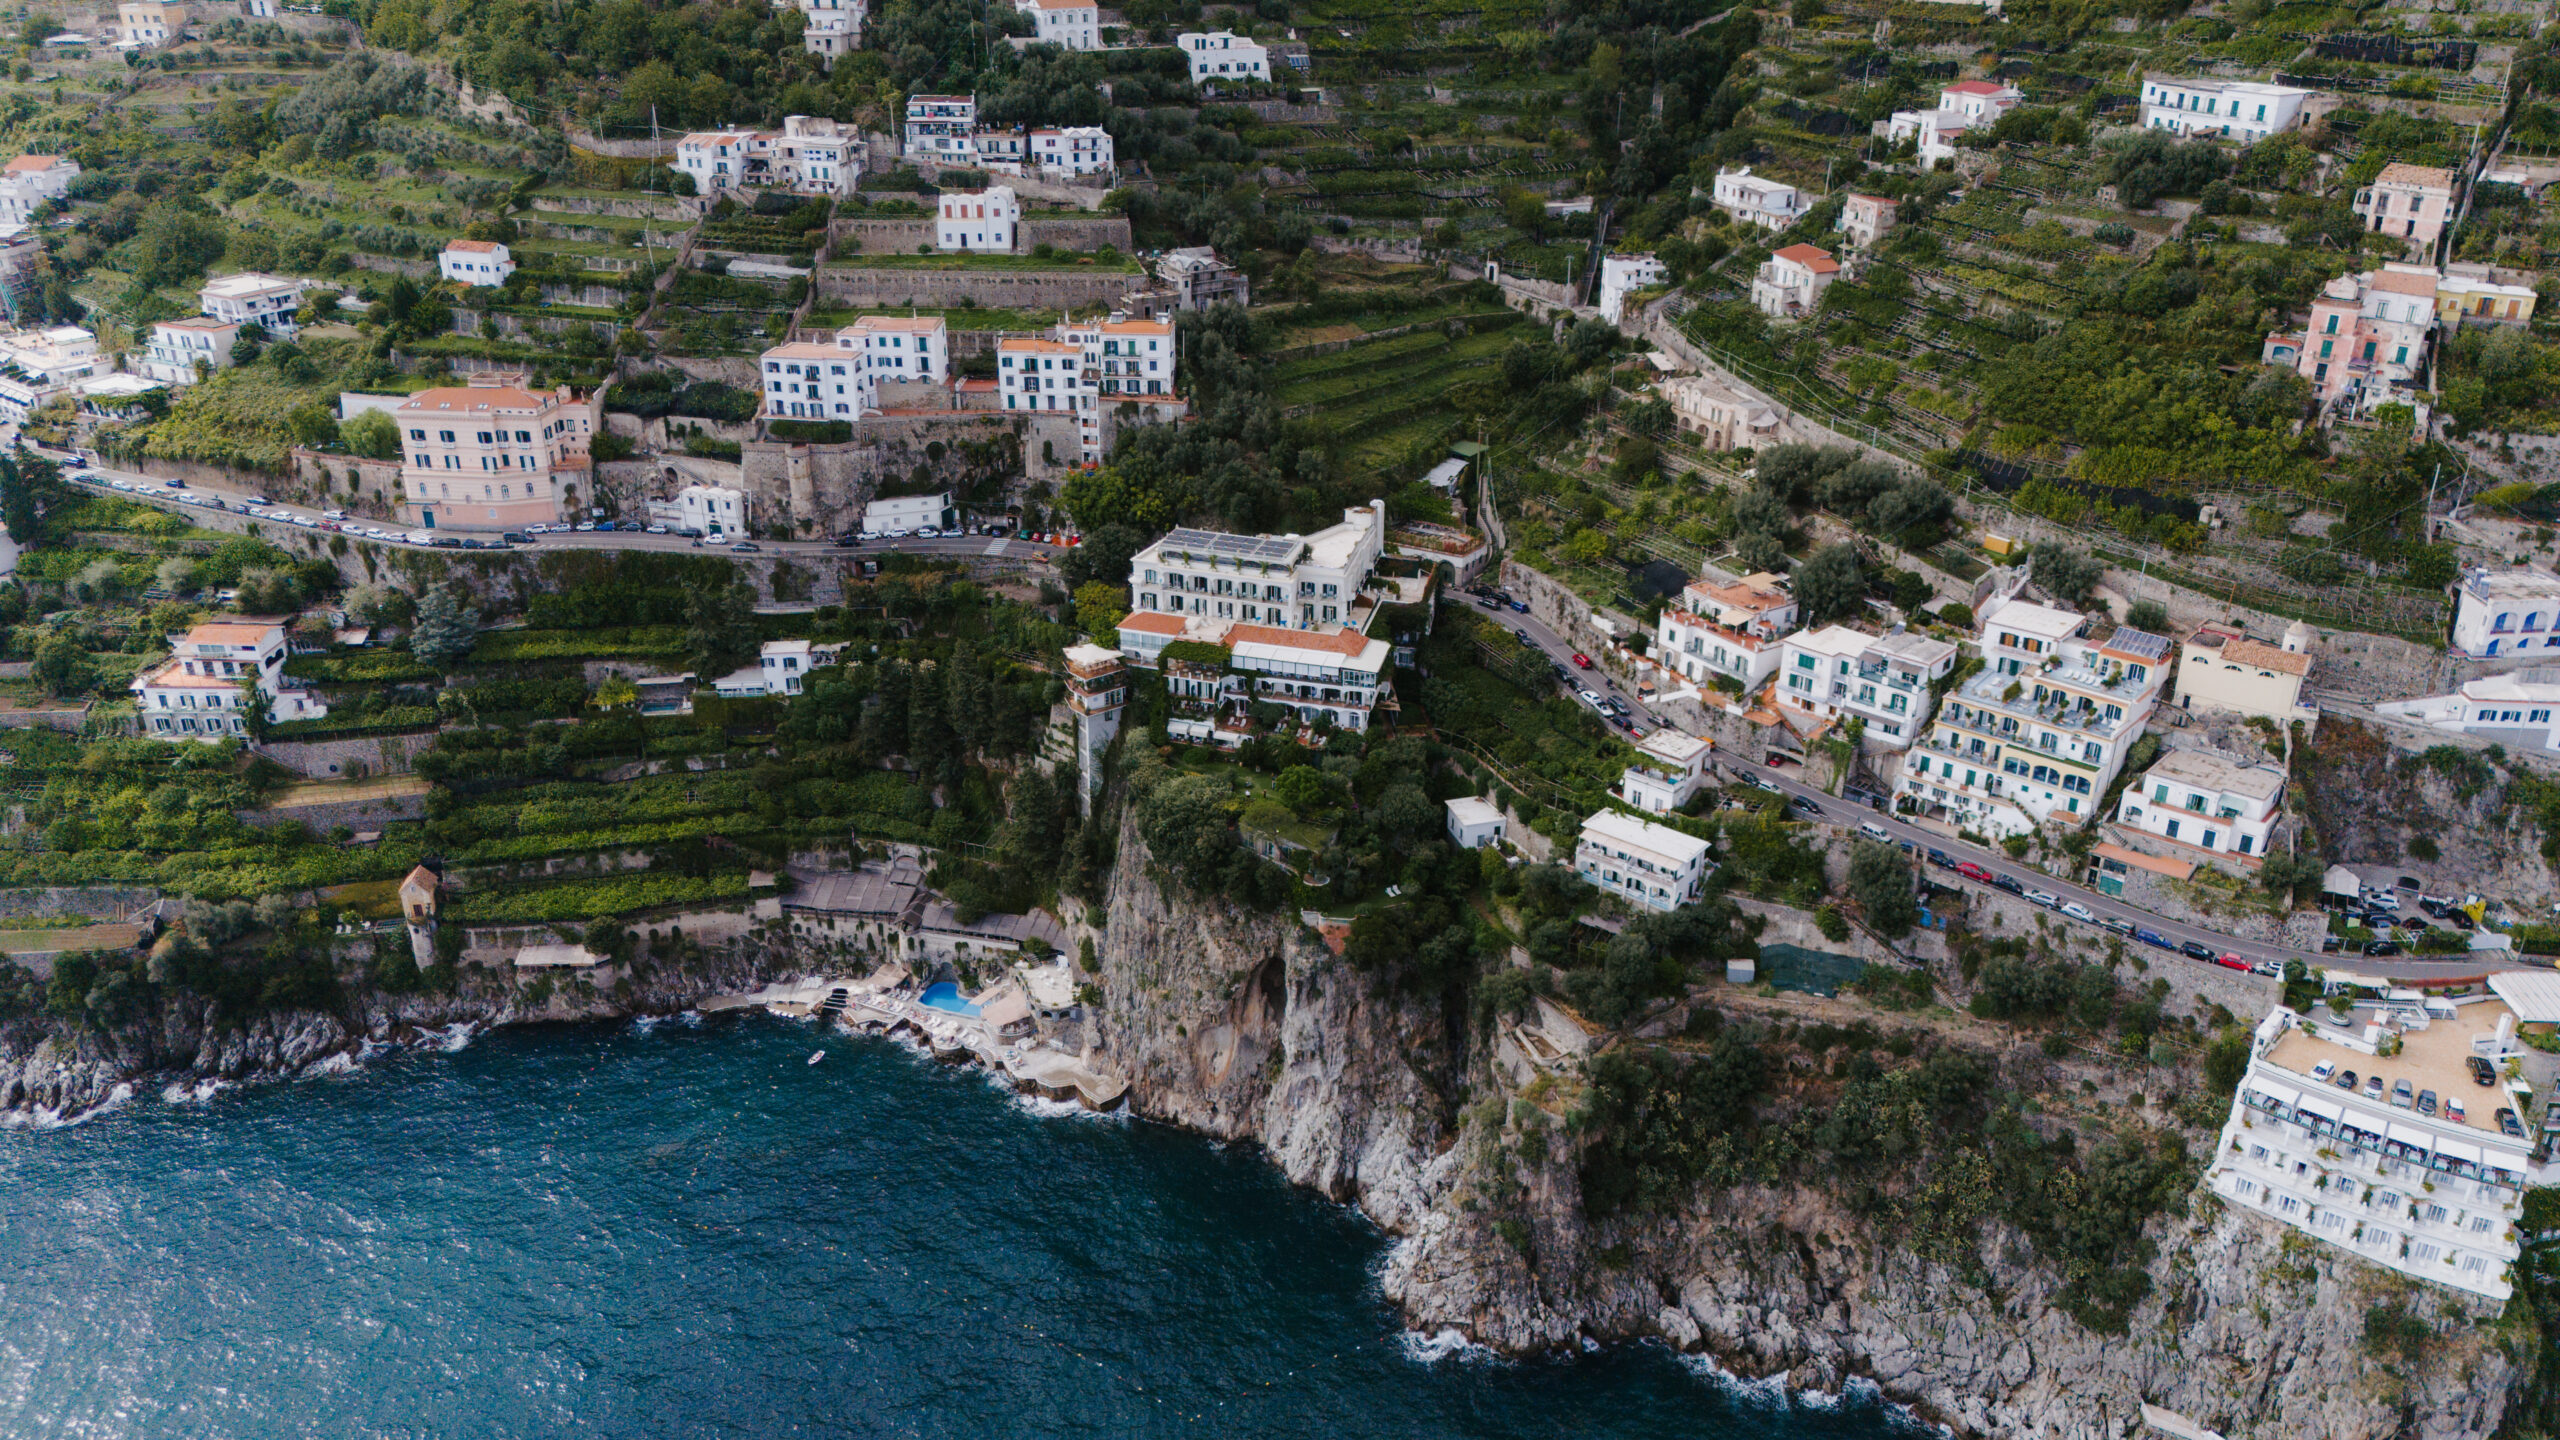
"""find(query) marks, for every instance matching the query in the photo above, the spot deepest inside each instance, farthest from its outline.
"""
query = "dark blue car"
(2155, 939)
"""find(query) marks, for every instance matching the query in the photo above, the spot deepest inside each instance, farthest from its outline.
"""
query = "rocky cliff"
(1246, 1027)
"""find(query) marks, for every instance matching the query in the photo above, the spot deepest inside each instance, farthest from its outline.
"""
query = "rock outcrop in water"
(1246, 1027)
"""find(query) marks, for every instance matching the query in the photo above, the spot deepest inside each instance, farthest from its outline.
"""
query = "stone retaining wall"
(885, 287)
(328, 759)
(354, 814)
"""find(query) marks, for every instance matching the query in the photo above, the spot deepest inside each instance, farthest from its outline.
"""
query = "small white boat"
(817, 1055)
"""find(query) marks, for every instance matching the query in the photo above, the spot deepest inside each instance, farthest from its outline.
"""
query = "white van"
(1874, 831)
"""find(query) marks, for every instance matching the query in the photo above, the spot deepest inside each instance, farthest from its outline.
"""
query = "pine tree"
(446, 628)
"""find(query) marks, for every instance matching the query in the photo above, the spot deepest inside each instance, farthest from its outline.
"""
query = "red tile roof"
(1340, 642)
(1974, 87)
(1149, 622)
(1817, 260)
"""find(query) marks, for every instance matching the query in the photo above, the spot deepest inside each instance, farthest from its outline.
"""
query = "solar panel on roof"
(1247, 547)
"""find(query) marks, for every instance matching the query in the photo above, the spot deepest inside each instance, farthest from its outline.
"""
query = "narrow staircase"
(834, 1004)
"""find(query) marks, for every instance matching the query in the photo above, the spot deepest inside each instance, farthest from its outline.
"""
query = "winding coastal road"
(2415, 969)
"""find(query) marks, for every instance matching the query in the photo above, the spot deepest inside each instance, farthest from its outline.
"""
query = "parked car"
(2268, 968)
(1942, 860)
(2003, 882)
(2508, 1124)
(333, 514)
(1759, 782)
(1581, 661)
(1973, 872)
(2346, 1080)
(2404, 1096)
(2331, 944)
(2373, 1087)
(1874, 831)
(1520, 605)
(2426, 1102)
(258, 500)
(174, 483)
(2382, 947)
(2155, 939)
(2322, 1071)
(746, 547)
(1563, 676)
(1805, 806)
(657, 529)
(2230, 961)
(2196, 950)
(2079, 912)
(516, 537)
(2482, 1072)
(2454, 1112)
(2045, 898)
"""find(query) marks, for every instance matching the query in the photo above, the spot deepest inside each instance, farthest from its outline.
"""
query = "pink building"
(1865, 218)
(2367, 337)
(493, 455)
(2408, 202)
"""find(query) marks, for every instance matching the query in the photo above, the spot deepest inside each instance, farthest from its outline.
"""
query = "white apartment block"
(1219, 55)
(178, 347)
(2408, 202)
(891, 348)
(2429, 1184)
(1965, 105)
(2043, 730)
(841, 379)
(1075, 150)
(46, 363)
(1075, 24)
(1204, 582)
(938, 128)
(2242, 110)
(1670, 772)
(476, 262)
(2506, 612)
(250, 298)
(2514, 710)
(1769, 204)
(1623, 275)
(1836, 674)
(1717, 418)
(829, 28)
(809, 155)
(2203, 801)
(30, 181)
(1334, 675)
(808, 380)
(1728, 630)
(196, 694)
(494, 455)
(977, 221)
(703, 510)
(999, 151)
(1789, 284)
(2221, 669)
(1087, 368)
(782, 668)
(1641, 862)
(907, 512)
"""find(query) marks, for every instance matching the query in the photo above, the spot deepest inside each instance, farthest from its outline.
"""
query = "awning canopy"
(2533, 994)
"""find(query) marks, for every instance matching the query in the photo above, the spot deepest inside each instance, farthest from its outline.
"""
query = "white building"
(2205, 802)
(979, 221)
(1075, 150)
(178, 347)
(2433, 1194)
(30, 181)
(1205, 581)
(476, 262)
(908, 512)
(809, 155)
(197, 693)
(1089, 367)
(798, 385)
(1219, 55)
(1789, 284)
(2221, 669)
(2506, 612)
(829, 28)
(37, 365)
(1720, 419)
(2514, 710)
(1965, 105)
(1623, 275)
(1336, 675)
(915, 349)
(703, 510)
(843, 378)
(2242, 110)
(1768, 204)
(782, 668)
(1641, 862)
(1729, 631)
(1836, 674)
(1671, 772)
(1473, 824)
(1075, 24)
(250, 298)
(2043, 730)
(939, 127)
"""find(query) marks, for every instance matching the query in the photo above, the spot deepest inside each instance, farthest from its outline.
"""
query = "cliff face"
(1244, 1027)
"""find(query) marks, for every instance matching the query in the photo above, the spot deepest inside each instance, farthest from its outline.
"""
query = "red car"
(2230, 962)
(1581, 661)
(1973, 872)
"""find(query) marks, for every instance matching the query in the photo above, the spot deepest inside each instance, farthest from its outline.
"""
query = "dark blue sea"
(683, 1230)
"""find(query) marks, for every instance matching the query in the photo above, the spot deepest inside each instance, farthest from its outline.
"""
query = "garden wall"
(1079, 232)
(324, 759)
(354, 814)
(840, 285)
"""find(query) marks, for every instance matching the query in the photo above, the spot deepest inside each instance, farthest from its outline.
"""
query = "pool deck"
(871, 1005)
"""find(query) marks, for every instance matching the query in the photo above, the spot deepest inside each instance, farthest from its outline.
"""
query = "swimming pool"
(946, 996)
